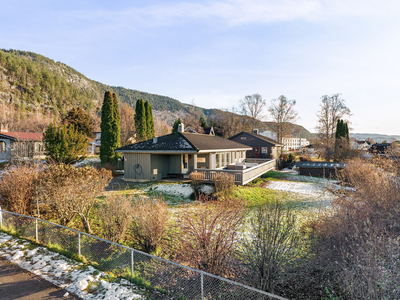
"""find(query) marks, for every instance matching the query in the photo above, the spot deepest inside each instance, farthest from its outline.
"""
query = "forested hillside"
(31, 83)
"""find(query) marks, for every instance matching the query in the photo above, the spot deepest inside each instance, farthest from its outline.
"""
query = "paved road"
(16, 283)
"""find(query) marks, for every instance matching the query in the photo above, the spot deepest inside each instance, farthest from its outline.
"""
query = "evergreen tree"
(116, 125)
(203, 122)
(109, 128)
(65, 144)
(80, 120)
(176, 125)
(342, 142)
(149, 120)
(140, 120)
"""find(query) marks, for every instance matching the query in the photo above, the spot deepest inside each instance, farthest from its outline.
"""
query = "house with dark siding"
(261, 146)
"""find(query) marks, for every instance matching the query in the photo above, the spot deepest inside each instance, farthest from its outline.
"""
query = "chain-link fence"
(176, 280)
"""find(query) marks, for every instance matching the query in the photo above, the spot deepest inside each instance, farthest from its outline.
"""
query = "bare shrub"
(17, 189)
(149, 226)
(362, 233)
(196, 181)
(70, 191)
(115, 214)
(224, 183)
(209, 235)
(271, 247)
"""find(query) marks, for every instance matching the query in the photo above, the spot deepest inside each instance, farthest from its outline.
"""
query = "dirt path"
(16, 283)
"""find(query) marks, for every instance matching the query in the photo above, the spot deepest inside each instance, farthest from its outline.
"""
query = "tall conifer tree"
(149, 120)
(116, 124)
(140, 121)
(109, 128)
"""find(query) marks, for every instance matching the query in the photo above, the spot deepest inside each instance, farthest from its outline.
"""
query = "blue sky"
(215, 52)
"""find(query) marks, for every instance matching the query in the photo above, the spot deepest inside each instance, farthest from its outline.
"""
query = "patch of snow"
(315, 191)
(63, 272)
(183, 190)
(87, 161)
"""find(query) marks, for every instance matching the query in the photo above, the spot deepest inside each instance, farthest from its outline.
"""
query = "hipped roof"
(184, 142)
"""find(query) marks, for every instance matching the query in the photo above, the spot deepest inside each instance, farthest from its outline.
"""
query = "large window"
(217, 164)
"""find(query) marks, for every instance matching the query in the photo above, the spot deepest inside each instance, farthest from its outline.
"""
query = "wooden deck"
(242, 176)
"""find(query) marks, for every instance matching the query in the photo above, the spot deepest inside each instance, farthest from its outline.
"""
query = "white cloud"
(238, 12)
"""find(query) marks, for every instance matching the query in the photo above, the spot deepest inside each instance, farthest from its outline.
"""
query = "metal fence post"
(202, 284)
(1, 218)
(37, 231)
(79, 244)
(132, 262)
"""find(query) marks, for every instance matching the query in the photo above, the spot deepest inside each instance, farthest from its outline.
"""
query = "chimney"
(181, 127)
(154, 140)
(3, 127)
(255, 131)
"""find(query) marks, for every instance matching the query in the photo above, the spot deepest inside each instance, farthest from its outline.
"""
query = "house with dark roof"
(379, 148)
(261, 146)
(178, 154)
(20, 145)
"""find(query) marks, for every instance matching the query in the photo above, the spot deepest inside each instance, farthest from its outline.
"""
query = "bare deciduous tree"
(283, 114)
(253, 106)
(127, 123)
(333, 108)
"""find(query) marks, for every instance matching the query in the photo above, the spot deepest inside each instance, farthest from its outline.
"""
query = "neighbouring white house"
(289, 143)
(294, 143)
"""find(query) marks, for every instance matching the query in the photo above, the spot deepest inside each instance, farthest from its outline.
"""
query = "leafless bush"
(224, 183)
(115, 214)
(149, 226)
(17, 189)
(196, 181)
(209, 235)
(362, 233)
(70, 191)
(271, 246)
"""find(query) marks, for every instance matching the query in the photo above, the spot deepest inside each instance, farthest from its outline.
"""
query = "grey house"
(179, 154)
(261, 146)
(15, 145)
